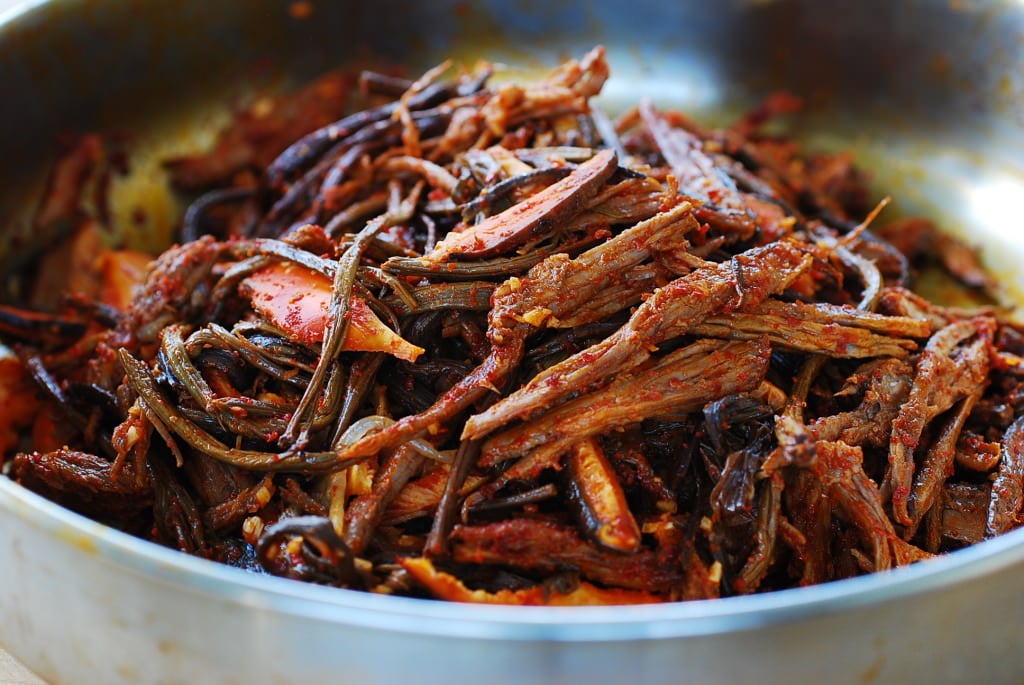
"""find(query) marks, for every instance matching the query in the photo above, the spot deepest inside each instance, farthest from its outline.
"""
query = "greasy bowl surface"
(926, 93)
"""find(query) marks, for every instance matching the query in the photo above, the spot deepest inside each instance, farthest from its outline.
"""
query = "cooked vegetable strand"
(486, 343)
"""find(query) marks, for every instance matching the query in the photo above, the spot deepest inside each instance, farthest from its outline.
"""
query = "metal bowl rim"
(271, 595)
(276, 596)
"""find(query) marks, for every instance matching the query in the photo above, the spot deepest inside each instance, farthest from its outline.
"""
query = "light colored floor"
(13, 673)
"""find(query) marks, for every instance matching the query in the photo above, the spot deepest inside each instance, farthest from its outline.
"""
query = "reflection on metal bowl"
(926, 93)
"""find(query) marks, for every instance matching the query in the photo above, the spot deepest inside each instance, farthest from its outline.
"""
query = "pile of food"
(484, 342)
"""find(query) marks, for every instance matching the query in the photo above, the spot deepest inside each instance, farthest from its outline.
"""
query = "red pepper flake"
(300, 10)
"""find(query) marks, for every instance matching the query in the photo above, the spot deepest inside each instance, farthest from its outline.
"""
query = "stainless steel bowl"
(928, 95)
